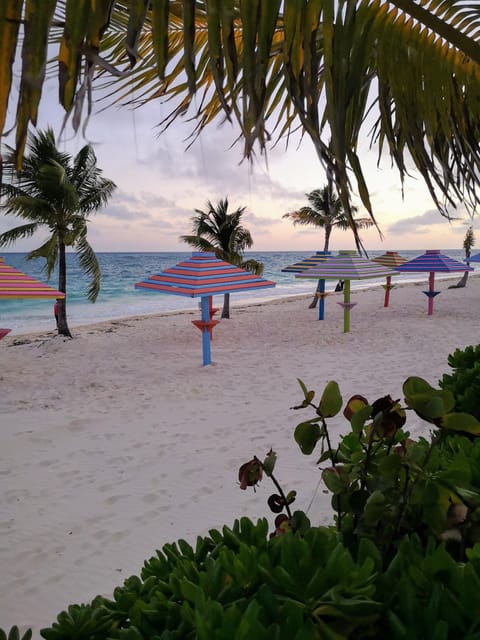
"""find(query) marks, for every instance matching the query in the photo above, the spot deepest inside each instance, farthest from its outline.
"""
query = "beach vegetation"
(223, 233)
(402, 75)
(464, 381)
(56, 192)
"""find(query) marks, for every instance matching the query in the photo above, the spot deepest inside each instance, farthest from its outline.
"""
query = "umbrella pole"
(388, 286)
(346, 309)
(431, 289)
(205, 302)
(321, 294)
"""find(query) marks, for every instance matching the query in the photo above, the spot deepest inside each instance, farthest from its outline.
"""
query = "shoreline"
(118, 441)
(19, 334)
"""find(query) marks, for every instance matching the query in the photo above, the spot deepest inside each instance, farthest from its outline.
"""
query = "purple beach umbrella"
(347, 266)
(432, 262)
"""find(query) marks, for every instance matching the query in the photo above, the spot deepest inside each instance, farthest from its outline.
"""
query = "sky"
(160, 183)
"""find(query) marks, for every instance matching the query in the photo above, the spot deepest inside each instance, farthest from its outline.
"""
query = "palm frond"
(90, 265)
(18, 233)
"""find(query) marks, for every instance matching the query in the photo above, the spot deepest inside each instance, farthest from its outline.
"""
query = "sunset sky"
(160, 183)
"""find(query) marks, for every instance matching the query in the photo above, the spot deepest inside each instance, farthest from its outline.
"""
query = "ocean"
(118, 297)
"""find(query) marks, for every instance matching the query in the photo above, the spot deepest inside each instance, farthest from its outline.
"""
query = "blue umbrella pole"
(321, 294)
(207, 358)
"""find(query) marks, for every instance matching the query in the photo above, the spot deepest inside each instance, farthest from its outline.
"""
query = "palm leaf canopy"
(403, 73)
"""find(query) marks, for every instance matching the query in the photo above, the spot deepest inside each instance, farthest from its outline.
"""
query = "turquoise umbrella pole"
(321, 293)
(207, 358)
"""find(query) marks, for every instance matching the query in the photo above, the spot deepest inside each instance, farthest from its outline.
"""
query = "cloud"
(421, 223)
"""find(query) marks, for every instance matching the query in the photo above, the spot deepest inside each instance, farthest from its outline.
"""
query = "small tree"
(221, 232)
(57, 192)
(468, 243)
(326, 212)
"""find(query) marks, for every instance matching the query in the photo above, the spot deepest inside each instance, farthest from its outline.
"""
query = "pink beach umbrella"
(16, 284)
(202, 276)
(347, 266)
(390, 259)
(432, 262)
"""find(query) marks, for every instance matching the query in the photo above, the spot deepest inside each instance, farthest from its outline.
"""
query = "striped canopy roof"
(434, 262)
(475, 258)
(15, 284)
(308, 263)
(348, 265)
(390, 259)
(203, 275)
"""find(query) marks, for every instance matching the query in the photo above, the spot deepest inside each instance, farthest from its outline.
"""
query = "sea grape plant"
(385, 484)
(464, 382)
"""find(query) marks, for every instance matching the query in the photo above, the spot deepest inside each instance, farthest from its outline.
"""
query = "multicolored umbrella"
(347, 266)
(202, 276)
(432, 262)
(309, 263)
(390, 259)
(16, 284)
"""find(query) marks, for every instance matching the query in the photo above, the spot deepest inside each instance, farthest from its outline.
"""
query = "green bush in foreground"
(464, 382)
(401, 560)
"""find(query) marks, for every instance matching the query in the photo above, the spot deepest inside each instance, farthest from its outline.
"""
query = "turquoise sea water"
(120, 271)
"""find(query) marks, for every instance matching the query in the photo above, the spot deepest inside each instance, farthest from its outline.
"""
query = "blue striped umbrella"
(432, 262)
(202, 276)
(309, 263)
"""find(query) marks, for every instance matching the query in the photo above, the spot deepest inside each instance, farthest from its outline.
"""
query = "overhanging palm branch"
(331, 66)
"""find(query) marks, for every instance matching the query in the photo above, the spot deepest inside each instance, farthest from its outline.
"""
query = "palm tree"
(221, 232)
(326, 212)
(58, 193)
(403, 73)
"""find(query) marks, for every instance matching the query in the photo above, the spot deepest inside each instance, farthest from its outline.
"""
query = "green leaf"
(307, 434)
(461, 422)
(336, 479)
(331, 400)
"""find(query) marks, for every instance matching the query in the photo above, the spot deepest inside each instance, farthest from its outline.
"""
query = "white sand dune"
(118, 441)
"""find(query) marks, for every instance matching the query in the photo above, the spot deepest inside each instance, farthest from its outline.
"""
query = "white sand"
(118, 441)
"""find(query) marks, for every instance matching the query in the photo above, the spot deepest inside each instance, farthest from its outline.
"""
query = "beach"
(119, 440)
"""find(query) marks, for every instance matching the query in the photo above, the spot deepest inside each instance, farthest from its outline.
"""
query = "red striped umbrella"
(202, 276)
(16, 284)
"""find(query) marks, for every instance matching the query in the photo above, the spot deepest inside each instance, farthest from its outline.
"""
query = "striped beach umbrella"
(309, 263)
(389, 259)
(16, 284)
(432, 262)
(475, 258)
(202, 276)
(347, 266)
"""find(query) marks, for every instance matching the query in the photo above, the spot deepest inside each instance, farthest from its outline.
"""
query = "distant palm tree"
(222, 232)
(326, 212)
(59, 193)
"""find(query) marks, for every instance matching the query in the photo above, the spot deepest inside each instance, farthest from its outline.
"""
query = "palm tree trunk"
(226, 306)
(62, 325)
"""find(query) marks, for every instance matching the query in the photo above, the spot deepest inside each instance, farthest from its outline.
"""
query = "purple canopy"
(432, 262)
